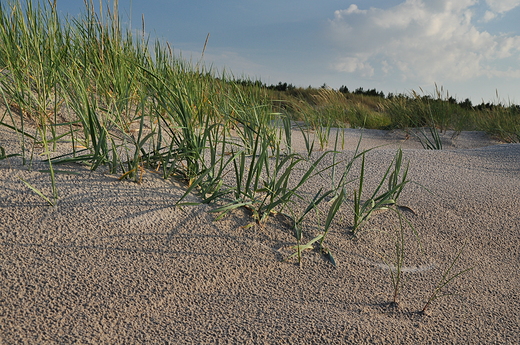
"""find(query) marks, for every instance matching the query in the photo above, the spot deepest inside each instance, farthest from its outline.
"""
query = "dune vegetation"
(129, 105)
(372, 109)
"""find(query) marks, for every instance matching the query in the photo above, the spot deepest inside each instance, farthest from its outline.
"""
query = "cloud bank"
(502, 6)
(424, 41)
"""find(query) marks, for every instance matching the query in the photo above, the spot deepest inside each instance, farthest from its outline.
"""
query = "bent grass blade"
(333, 210)
(37, 191)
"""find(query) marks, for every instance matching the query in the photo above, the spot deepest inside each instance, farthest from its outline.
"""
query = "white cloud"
(502, 6)
(424, 41)
(355, 64)
(354, 9)
(489, 16)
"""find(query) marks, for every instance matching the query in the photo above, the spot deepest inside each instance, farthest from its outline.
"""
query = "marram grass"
(130, 105)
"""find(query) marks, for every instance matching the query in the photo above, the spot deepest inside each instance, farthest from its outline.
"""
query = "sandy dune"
(115, 262)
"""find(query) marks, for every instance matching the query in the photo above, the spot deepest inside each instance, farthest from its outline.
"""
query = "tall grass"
(501, 120)
(434, 112)
(440, 112)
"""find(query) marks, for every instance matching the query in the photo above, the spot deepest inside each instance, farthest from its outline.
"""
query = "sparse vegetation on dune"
(122, 106)
(372, 109)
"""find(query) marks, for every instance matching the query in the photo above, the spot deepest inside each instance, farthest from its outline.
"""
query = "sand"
(115, 262)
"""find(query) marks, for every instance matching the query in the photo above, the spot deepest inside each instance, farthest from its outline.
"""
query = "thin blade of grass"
(37, 191)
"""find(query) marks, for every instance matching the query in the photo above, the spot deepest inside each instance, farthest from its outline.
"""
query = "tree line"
(288, 87)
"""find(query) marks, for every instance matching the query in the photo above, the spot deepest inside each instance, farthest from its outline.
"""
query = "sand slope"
(115, 262)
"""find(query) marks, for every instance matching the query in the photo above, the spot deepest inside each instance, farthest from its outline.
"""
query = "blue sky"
(469, 47)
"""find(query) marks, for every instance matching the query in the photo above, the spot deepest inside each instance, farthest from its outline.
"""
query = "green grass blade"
(34, 189)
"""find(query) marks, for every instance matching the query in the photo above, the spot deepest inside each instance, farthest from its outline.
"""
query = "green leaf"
(328, 255)
(37, 192)
(60, 172)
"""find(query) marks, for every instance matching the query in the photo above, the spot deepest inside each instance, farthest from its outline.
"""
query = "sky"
(470, 48)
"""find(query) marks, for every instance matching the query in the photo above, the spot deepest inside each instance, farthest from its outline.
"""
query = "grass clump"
(395, 179)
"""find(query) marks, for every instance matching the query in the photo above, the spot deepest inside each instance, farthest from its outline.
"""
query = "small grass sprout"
(446, 278)
(299, 248)
(395, 264)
